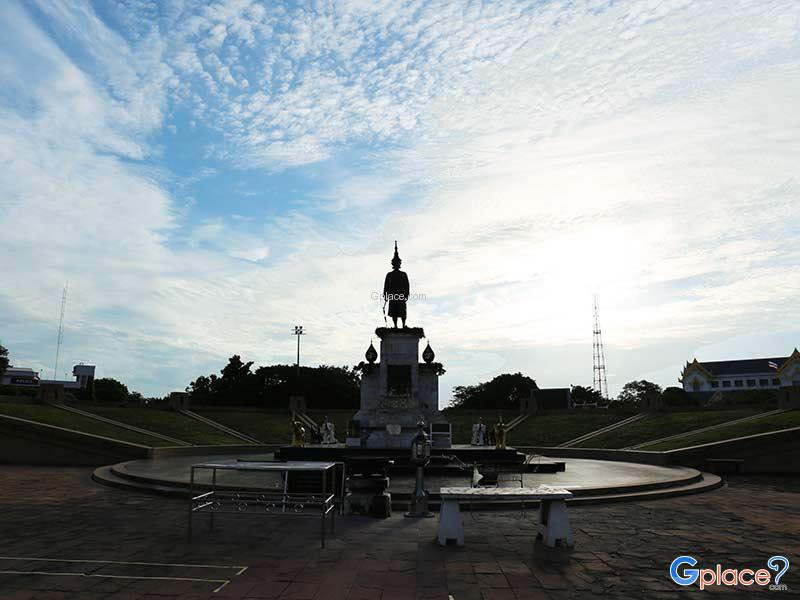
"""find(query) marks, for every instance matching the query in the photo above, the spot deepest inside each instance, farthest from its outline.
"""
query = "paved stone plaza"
(113, 544)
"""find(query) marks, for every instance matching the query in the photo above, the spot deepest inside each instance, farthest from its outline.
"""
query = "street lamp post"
(298, 331)
(420, 456)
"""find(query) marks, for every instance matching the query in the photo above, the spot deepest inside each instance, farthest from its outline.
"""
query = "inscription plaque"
(397, 402)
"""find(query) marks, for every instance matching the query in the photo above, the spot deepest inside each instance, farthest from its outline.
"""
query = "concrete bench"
(553, 519)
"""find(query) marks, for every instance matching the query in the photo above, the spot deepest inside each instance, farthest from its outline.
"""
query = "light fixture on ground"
(420, 456)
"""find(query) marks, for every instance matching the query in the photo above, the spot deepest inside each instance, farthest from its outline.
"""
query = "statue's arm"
(386, 285)
(406, 286)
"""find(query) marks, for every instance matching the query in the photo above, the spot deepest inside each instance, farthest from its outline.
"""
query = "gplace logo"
(728, 577)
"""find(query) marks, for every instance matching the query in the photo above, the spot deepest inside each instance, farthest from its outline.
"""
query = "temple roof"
(742, 367)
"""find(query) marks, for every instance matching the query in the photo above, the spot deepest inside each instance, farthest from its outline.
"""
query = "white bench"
(553, 519)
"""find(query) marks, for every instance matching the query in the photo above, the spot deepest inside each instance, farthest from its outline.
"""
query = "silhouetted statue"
(395, 290)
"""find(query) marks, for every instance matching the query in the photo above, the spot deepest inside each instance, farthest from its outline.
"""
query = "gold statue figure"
(298, 432)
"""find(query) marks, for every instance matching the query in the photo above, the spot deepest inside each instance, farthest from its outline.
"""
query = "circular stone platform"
(589, 480)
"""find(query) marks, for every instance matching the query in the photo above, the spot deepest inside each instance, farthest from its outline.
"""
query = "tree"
(3, 361)
(270, 386)
(675, 397)
(110, 390)
(635, 392)
(499, 393)
(585, 395)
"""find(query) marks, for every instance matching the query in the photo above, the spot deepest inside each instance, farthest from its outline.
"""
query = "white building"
(743, 374)
(25, 377)
(20, 376)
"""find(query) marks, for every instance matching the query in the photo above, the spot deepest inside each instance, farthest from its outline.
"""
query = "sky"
(206, 175)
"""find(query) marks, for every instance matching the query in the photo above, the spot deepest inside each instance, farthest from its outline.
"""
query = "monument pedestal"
(398, 392)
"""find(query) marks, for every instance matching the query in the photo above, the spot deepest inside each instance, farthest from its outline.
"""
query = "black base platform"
(440, 460)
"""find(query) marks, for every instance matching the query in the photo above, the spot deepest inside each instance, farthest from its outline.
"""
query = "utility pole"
(298, 331)
(599, 381)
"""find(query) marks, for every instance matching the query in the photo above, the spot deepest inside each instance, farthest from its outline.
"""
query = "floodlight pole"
(298, 331)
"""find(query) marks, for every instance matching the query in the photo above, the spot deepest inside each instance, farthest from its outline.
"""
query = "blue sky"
(206, 175)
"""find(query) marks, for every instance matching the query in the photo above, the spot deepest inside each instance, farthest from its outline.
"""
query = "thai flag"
(772, 365)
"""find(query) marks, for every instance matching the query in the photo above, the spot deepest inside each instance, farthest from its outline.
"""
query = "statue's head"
(396, 262)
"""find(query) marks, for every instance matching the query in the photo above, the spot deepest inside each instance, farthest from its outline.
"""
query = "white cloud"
(216, 234)
(525, 155)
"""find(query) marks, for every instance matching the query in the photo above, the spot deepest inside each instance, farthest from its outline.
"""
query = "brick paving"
(622, 550)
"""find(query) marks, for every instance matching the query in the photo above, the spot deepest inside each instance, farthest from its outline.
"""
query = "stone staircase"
(220, 427)
(704, 429)
(149, 432)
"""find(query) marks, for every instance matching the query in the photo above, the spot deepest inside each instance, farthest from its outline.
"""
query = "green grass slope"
(537, 430)
(657, 426)
(555, 429)
(272, 427)
(762, 425)
(265, 426)
(50, 415)
(165, 422)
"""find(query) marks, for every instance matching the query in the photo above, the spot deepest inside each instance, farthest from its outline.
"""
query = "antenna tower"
(599, 382)
(60, 329)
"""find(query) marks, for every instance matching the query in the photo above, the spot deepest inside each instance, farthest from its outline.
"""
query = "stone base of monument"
(391, 429)
(399, 437)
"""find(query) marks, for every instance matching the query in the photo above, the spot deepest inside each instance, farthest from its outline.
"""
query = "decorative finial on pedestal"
(428, 355)
(371, 354)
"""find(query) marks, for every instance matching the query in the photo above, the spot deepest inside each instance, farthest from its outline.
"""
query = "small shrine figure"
(328, 432)
(500, 435)
(298, 432)
(479, 433)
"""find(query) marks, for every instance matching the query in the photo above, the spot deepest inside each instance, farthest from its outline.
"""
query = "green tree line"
(271, 386)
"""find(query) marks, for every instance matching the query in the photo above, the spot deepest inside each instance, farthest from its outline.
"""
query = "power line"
(599, 381)
(60, 329)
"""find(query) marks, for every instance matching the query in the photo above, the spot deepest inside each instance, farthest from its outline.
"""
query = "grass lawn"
(165, 422)
(536, 430)
(50, 415)
(273, 427)
(661, 425)
(265, 426)
(554, 429)
(773, 423)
